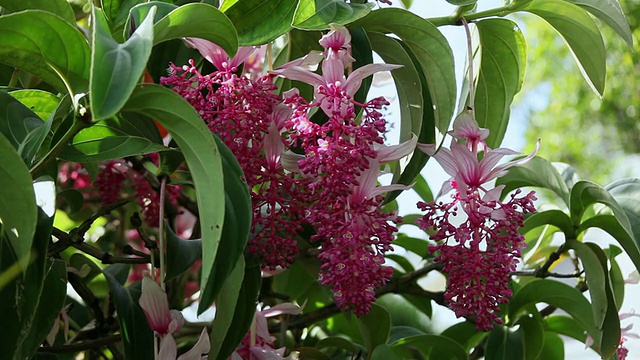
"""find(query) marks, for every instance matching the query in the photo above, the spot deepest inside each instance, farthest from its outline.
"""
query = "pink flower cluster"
(329, 182)
(477, 234)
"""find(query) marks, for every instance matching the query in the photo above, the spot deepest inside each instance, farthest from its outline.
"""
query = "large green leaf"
(538, 173)
(45, 45)
(532, 336)
(181, 254)
(58, 7)
(260, 21)
(116, 68)
(502, 64)
(237, 224)
(626, 192)
(581, 34)
(42, 103)
(134, 329)
(114, 138)
(557, 294)
(553, 347)
(426, 343)
(432, 53)
(611, 13)
(504, 344)
(375, 327)
(200, 21)
(407, 82)
(24, 129)
(553, 217)
(596, 279)
(236, 309)
(201, 154)
(18, 210)
(585, 193)
(319, 14)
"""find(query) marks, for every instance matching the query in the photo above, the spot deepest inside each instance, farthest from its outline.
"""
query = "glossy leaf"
(626, 192)
(611, 13)
(595, 275)
(58, 7)
(565, 325)
(139, 12)
(18, 210)
(556, 218)
(181, 254)
(237, 224)
(462, 2)
(557, 294)
(384, 352)
(407, 83)
(538, 173)
(375, 327)
(581, 34)
(48, 47)
(432, 52)
(23, 128)
(532, 337)
(202, 157)
(417, 246)
(42, 103)
(200, 21)
(611, 225)
(426, 343)
(241, 308)
(136, 333)
(260, 21)
(502, 64)
(116, 68)
(318, 14)
(553, 348)
(336, 342)
(114, 138)
(504, 344)
(465, 334)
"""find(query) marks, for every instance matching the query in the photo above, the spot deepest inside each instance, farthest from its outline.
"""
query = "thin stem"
(163, 186)
(454, 19)
(38, 169)
(14, 78)
(472, 86)
(85, 345)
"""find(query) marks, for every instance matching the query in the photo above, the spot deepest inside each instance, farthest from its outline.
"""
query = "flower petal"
(210, 51)
(355, 78)
(284, 308)
(396, 152)
(155, 306)
(168, 349)
(201, 348)
(300, 74)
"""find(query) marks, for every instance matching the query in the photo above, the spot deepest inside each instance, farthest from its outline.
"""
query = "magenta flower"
(165, 322)
(480, 253)
(217, 56)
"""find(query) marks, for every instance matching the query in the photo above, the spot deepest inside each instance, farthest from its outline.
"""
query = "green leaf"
(553, 348)
(136, 333)
(336, 342)
(319, 14)
(432, 52)
(401, 332)
(138, 13)
(238, 215)
(200, 21)
(18, 210)
(462, 2)
(407, 82)
(405, 264)
(181, 254)
(417, 246)
(567, 326)
(58, 7)
(114, 138)
(202, 157)
(259, 21)
(239, 305)
(24, 129)
(611, 224)
(611, 13)
(375, 327)
(538, 173)
(502, 64)
(617, 279)
(48, 47)
(504, 344)
(626, 192)
(116, 68)
(554, 217)
(384, 352)
(585, 193)
(426, 343)
(532, 336)
(465, 334)
(596, 276)
(581, 34)
(557, 294)
(42, 103)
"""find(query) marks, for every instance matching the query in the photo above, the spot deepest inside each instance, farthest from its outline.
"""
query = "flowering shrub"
(177, 159)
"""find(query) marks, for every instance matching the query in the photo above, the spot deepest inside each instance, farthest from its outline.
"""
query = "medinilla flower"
(480, 253)
(164, 322)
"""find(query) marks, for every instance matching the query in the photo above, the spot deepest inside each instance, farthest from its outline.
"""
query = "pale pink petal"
(284, 308)
(266, 353)
(269, 273)
(262, 328)
(210, 51)
(355, 78)
(367, 183)
(337, 38)
(273, 145)
(155, 306)
(201, 348)
(379, 190)
(289, 161)
(501, 169)
(308, 62)
(168, 349)
(634, 278)
(465, 127)
(589, 341)
(429, 149)
(333, 72)
(241, 55)
(445, 188)
(177, 321)
(396, 152)
(300, 74)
